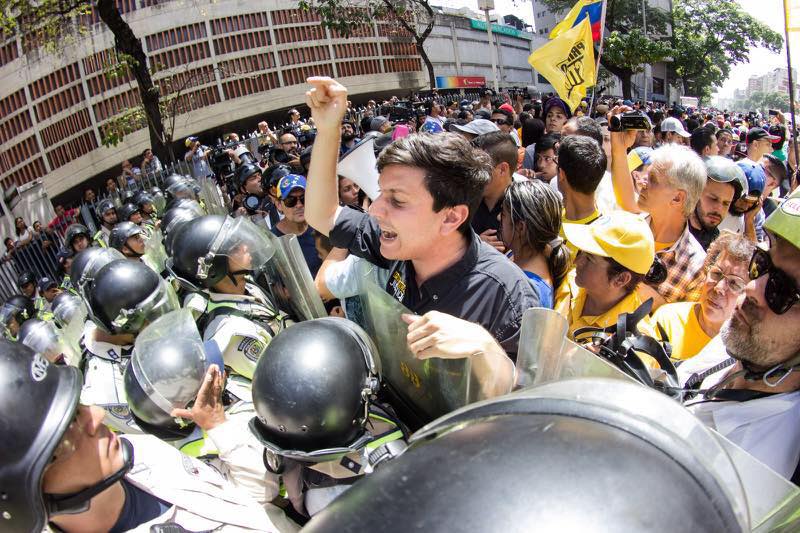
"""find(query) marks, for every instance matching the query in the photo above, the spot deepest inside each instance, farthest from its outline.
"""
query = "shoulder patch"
(251, 348)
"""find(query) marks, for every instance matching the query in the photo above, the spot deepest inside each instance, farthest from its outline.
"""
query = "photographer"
(197, 156)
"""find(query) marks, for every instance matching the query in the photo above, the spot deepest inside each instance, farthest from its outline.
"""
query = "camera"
(633, 120)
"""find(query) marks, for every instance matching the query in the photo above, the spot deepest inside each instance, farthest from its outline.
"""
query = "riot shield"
(430, 387)
(211, 197)
(155, 255)
(545, 354)
(290, 281)
(70, 316)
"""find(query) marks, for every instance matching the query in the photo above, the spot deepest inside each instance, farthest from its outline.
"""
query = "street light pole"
(486, 6)
(646, 67)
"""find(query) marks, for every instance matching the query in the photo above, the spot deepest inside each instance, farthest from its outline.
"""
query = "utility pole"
(486, 6)
(647, 66)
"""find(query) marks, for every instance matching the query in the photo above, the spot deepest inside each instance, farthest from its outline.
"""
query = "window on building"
(658, 85)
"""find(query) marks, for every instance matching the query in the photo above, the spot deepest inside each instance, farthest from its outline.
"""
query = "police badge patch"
(251, 348)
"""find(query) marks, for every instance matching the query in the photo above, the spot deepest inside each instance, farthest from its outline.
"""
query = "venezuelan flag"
(593, 9)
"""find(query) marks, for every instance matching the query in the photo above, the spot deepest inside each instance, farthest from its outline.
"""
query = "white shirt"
(346, 278)
(767, 428)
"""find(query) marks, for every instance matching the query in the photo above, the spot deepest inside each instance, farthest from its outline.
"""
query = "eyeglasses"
(292, 201)
(734, 283)
(780, 291)
(547, 158)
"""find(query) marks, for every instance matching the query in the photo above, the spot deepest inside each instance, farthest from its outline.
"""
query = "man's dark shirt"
(482, 287)
(308, 247)
(485, 219)
(704, 236)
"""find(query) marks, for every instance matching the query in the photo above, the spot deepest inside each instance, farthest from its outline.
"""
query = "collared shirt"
(482, 286)
(684, 262)
(486, 218)
(768, 428)
(704, 236)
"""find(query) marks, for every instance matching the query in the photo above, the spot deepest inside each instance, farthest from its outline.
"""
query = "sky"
(770, 12)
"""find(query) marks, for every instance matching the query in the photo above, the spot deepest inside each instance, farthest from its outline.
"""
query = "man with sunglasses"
(292, 204)
(65, 468)
(748, 378)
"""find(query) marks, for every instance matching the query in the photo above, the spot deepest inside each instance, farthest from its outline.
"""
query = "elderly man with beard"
(725, 184)
(748, 378)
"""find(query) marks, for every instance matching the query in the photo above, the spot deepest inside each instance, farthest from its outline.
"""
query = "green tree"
(626, 47)
(709, 38)
(53, 23)
(416, 17)
(764, 101)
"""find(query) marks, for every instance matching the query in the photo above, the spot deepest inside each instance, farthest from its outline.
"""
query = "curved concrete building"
(237, 59)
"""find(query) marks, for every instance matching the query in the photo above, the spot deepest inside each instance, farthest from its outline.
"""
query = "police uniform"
(101, 237)
(241, 325)
(201, 498)
(103, 365)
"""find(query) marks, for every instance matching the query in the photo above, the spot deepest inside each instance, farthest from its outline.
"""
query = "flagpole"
(791, 82)
(600, 53)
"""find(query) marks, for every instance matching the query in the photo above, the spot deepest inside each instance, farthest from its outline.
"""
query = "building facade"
(231, 59)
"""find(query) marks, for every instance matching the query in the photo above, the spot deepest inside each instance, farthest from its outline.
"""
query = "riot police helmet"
(172, 220)
(125, 212)
(41, 337)
(209, 248)
(186, 203)
(243, 173)
(17, 308)
(120, 235)
(184, 188)
(74, 231)
(564, 456)
(66, 306)
(172, 179)
(166, 370)
(159, 200)
(86, 265)
(25, 278)
(38, 404)
(145, 199)
(312, 388)
(104, 206)
(126, 295)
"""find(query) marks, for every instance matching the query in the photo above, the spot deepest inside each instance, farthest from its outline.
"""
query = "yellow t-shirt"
(564, 220)
(680, 323)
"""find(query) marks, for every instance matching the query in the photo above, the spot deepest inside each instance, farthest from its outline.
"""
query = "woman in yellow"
(614, 254)
(690, 325)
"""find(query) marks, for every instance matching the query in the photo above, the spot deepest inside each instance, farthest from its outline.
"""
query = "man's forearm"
(322, 189)
(621, 178)
(493, 370)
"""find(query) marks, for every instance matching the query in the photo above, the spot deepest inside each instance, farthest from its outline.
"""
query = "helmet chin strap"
(242, 272)
(78, 502)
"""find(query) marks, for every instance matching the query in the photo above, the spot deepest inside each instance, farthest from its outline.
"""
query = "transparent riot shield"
(430, 387)
(70, 316)
(44, 338)
(212, 198)
(290, 281)
(155, 255)
(545, 354)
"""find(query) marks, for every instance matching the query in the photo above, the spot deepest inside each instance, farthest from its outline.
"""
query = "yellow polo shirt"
(680, 323)
(570, 300)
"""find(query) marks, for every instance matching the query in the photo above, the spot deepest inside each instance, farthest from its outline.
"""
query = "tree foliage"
(53, 24)
(764, 101)
(416, 17)
(626, 48)
(710, 37)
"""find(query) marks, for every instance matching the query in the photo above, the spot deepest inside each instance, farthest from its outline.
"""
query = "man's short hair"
(738, 247)
(583, 161)
(683, 169)
(455, 171)
(775, 167)
(548, 142)
(587, 127)
(701, 138)
(500, 147)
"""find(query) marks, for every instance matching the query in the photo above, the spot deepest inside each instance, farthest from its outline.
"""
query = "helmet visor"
(160, 302)
(44, 339)
(246, 246)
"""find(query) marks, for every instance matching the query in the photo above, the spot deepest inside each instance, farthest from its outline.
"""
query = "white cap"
(673, 124)
(479, 126)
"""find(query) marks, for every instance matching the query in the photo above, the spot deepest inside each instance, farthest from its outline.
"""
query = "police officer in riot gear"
(221, 261)
(129, 212)
(127, 237)
(26, 283)
(77, 238)
(62, 466)
(14, 312)
(172, 219)
(314, 392)
(107, 215)
(86, 264)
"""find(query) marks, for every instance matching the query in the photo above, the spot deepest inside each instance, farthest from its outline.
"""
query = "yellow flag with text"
(567, 62)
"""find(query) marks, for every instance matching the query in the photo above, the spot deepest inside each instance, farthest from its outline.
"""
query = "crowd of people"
(186, 369)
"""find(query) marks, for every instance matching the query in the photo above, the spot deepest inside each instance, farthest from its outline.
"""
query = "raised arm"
(328, 102)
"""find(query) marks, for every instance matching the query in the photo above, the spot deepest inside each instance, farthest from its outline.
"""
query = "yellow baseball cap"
(624, 237)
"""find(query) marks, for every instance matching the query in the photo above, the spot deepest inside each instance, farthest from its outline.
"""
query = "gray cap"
(724, 170)
(478, 126)
(376, 123)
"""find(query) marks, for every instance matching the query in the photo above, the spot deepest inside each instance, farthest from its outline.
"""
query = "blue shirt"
(140, 507)
(542, 288)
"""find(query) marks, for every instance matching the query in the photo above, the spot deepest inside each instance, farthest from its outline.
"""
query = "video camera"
(633, 120)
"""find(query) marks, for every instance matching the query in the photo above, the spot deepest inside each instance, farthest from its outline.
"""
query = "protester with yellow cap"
(614, 254)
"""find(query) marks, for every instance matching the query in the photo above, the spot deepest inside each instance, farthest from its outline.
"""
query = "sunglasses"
(781, 291)
(500, 121)
(292, 201)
